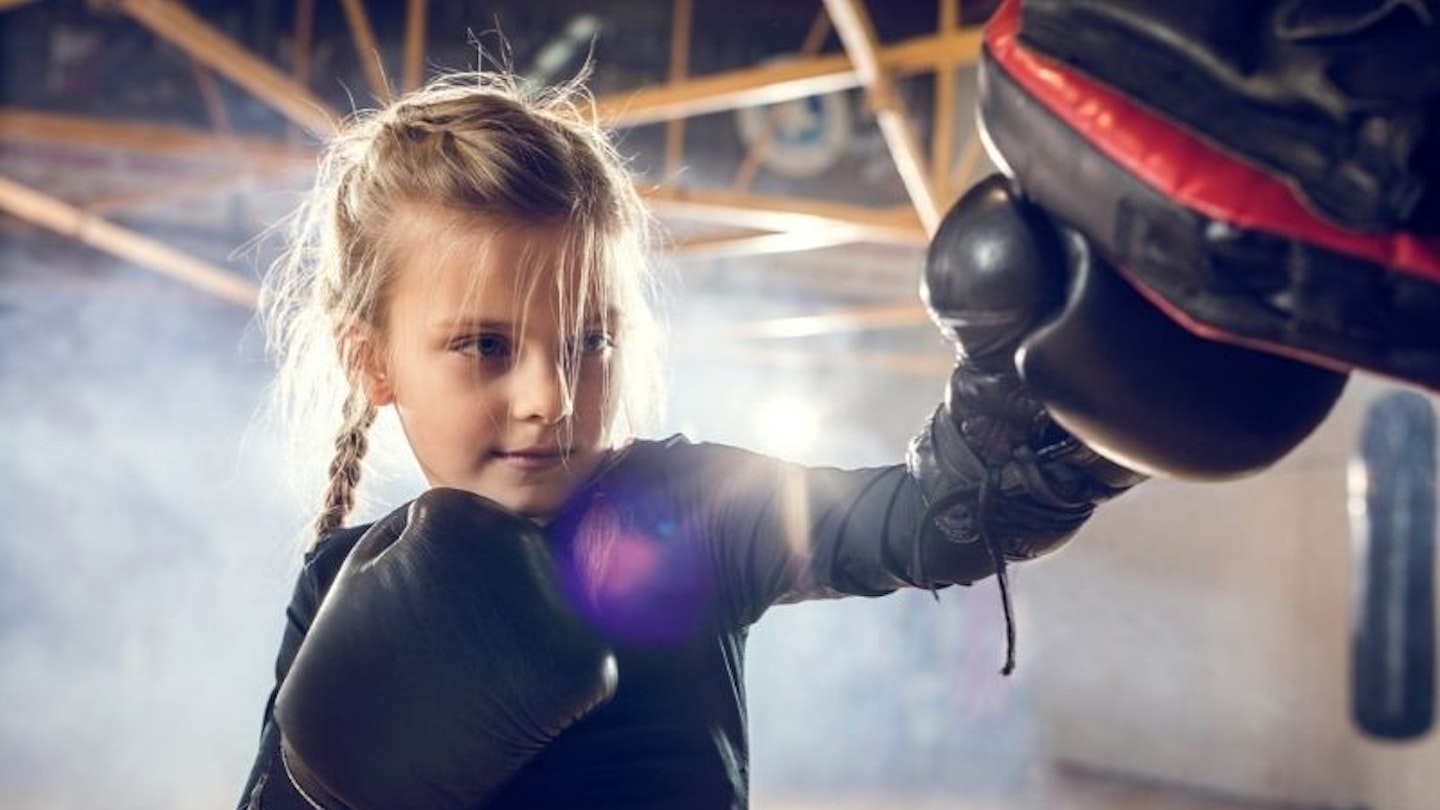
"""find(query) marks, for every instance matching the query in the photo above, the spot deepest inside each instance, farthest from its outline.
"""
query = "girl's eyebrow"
(465, 324)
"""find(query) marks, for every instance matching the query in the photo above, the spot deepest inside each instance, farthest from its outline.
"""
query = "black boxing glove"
(999, 475)
(1137, 387)
(443, 659)
(996, 273)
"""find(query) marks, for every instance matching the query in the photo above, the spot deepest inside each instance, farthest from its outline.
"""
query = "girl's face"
(471, 360)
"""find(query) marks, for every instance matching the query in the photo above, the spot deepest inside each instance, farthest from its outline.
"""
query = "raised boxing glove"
(997, 272)
(442, 660)
(999, 475)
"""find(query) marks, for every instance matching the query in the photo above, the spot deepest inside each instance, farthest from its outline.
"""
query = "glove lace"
(983, 495)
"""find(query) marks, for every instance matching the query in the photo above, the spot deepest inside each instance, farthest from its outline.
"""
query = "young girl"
(560, 621)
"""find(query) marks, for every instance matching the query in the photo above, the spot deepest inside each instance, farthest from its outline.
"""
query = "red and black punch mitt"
(1232, 310)
(1341, 98)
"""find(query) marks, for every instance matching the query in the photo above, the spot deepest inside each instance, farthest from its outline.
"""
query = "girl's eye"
(596, 343)
(488, 346)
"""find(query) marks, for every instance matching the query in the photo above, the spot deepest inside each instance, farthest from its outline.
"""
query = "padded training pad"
(1340, 98)
(1221, 247)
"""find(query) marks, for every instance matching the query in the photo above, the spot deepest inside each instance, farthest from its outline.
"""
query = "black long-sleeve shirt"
(686, 545)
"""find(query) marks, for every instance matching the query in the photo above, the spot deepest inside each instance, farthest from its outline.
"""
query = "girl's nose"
(538, 390)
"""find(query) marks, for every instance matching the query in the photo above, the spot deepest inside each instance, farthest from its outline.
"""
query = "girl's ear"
(365, 365)
(376, 383)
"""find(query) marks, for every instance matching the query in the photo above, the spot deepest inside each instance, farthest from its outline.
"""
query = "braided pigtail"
(351, 444)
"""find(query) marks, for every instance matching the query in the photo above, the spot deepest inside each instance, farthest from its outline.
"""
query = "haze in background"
(149, 550)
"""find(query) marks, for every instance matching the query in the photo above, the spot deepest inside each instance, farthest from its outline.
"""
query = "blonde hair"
(472, 144)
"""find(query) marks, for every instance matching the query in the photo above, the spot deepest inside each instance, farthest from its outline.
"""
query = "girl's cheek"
(479, 373)
(596, 368)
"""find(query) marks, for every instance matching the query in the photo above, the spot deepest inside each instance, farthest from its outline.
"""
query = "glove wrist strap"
(306, 783)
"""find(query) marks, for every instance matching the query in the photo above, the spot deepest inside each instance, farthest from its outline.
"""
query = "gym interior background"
(1189, 650)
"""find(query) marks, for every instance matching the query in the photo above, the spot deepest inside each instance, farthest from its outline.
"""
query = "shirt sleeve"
(269, 787)
(779, 532)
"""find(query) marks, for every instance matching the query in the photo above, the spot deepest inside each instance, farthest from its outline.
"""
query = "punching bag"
(1392, 514)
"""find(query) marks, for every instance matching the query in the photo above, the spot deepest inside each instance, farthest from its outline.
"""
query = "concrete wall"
(1199, 634)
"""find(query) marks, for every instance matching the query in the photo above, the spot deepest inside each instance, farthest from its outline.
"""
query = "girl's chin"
(538, 497)
(539, 507)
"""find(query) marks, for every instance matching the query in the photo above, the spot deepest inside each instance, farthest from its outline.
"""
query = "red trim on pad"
(1187, 169)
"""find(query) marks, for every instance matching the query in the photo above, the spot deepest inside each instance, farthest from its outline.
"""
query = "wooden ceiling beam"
(893, 226)
(366, 50)
(731, 90)
(750, 242)
(770, 84)
(683, 13)
(416, 15)
(65, 219)
(180, 142)
(857, 33)
(243, 178)
(942, 131)
(178, 25)
(304, 41)
(214, 101)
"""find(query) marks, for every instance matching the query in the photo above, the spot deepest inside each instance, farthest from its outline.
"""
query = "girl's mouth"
(531, 459)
